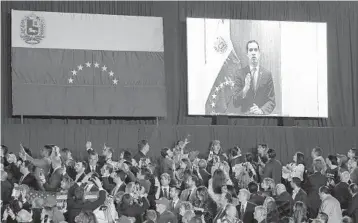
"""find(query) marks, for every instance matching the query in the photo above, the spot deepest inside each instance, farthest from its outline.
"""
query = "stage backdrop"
(342, 41)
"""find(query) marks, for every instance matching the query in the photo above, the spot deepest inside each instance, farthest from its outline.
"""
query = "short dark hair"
(92, 153)
(318, 151)
(5, 149)
(65, 150)
(29, 165)
(324, 189)
(253, 187)
(164, 152)
(108, 167)
(300, 158)
(271, 153)
(142, 143)
(252, 41)
(354, 150)
(49, 149)
(235, 151)
(249, 157)
(333, 159)
(265, 146)
(145, 172)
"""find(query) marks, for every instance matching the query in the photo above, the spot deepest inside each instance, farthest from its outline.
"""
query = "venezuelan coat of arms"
(32, 29)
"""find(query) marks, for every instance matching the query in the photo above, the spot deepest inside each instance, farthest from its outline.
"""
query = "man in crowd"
(273, 168)
(143, 149)
(341, 190)
(330, 205)
(165, 215)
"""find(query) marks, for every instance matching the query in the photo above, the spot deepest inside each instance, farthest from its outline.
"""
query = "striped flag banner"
(71, 64)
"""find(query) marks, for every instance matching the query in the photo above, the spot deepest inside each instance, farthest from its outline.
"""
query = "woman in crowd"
(230, 215)
(205, 204)
(216, 154)
(272, 212)
(294, 169)
(299, 213)
(268, 186)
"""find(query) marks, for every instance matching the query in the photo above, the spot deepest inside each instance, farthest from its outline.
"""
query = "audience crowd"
(181, 186)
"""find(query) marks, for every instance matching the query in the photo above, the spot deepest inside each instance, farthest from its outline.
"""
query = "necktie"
(189, 195)
(242, 211)
(165, 193)
(253, 71)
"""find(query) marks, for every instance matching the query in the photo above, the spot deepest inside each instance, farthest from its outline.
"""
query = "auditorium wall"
(337, 133)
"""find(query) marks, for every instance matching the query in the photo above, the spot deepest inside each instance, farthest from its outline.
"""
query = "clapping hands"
(256, 110)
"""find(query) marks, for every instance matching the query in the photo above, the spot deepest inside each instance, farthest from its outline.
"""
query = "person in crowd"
(54, 182)
(93, 166)
(12, 168)
(190, 192)
(107, 154)
(330, 205)
(332, 171)
(68, 162)
(342, 162)
(268, 186)
(165, 215)
(166, 163)
(43, 163)
(317, 154)
(312, 185)
(184, 169)
(354, 170)
(284, 201)
(164, 190)
(351, 154)
(298, 194)
(131, 208)
(6, 190)
(175, 202)
(294, 169)
(76, 200)
(143, 149)
(273, 167)
(28, 178)
(216, 154)
(246, 208)
(262, 158)
(255, 196)
(3, 152)
(353, 206)
(272, 212)
(230, 215)
(151, 216)
(260, 214)
(323, 217)
(204, 204)
(235, 156)
(118, 177)
(341, 190)
(205, 175)
(299, 213)
(80, 168)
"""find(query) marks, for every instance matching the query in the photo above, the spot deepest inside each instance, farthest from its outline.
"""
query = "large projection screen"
(257, 68)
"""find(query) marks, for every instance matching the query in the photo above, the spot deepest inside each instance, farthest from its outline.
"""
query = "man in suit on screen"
(254, 92)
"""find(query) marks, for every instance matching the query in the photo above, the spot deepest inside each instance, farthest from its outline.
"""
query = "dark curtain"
(342, 34)
(285, 140)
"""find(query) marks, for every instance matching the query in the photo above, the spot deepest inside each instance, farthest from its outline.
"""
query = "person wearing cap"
(50, 212)
(165, 216)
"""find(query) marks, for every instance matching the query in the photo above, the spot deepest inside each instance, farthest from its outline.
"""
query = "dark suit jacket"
(6, 190)
(54, 182)
(257, 199)
(341, 193)
(273, 169)
(205, 175)
(138, 156)
(97, 172)
(263, 97)
(353, 208)
(184, 196)
(13, 173)
(284, 204)
(30, 181)
(301, 196)
(167, 217)
(175, 209)
(166, 166)
(248, 216)
(312, 185)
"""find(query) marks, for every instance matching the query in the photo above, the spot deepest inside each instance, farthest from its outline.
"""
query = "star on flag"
(214, 96)
(212, 104)
(81, 68)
